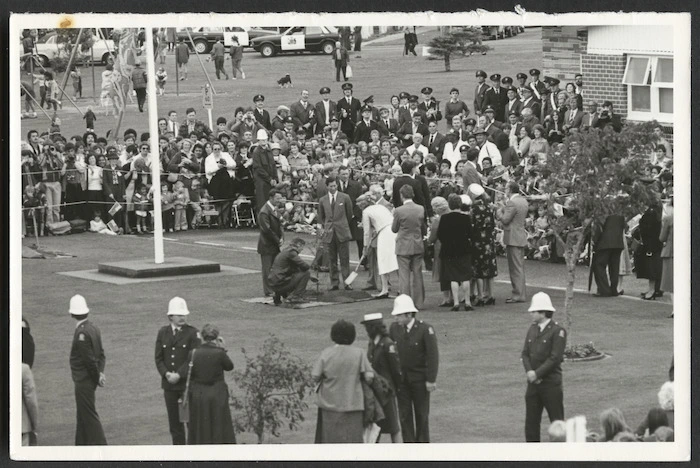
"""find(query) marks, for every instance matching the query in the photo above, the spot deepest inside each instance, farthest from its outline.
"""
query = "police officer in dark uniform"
(87, 365)
(496, 98)
(542, 356)
(173, 345)
(261, 115)
(348, 111)
(522, 80)
(507, 83)
(537, 86)
(480, 92)
(429, 105)
(418, 353)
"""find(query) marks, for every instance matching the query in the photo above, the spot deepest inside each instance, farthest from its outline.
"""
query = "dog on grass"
(285, 82)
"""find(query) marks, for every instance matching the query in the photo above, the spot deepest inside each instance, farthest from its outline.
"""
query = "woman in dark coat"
(484, 262)
(210, 414)
(647, 257)
(455, 233)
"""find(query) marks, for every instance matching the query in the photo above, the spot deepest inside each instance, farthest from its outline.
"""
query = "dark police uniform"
(87, 361)
(543, 352)
(418, 353)
(384, 357)
(171, 353)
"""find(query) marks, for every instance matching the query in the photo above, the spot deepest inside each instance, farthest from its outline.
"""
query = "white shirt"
(422, 149)
(80, 322)
(173, 127)
(211, 164)
(411, 323)
(327, 109)
(542, 325)
(175, 329)
(490, 150)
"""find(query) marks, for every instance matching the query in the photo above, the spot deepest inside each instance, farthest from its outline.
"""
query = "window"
(313, 30)
(649, 83)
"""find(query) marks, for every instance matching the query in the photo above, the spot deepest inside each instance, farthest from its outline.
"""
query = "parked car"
(205, 37)
(500, 32)
(298, 39)
(47, 48)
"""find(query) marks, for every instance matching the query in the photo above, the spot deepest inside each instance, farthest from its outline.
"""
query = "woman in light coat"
(376, 222)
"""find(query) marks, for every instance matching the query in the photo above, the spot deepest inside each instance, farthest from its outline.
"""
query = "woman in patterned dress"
(484, 263)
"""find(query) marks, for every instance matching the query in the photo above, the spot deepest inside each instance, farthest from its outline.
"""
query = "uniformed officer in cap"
(550, 101)
(469, 125)
(522, 80)
(87, 365)
(348, 111)
(496, 98)
(536, 85)
(480, 92)
(173, 345)
(506, 82)
(418, 353)
(542, 356)
(364, 128)
(430, 106)
(261, 115)
(326, 108)
(369, 101)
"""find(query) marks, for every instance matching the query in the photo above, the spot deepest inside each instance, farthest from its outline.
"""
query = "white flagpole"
(155, 155)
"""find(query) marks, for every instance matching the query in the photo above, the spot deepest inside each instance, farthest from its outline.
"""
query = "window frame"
(654, 87)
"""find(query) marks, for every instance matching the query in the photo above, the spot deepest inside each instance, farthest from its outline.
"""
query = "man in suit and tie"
(435, 141)
(348, 111)
(496, 97)
(302, 112)
(407, 116)
(173, 126)
(480, 92)
(325, 110)
(409, 226)
(353, 189)
(364, 128)
(386, 125)
(264, 170)
(590, 118)
(573, 117)
(408, 129)
(261, 115)
(173, 345)
(470, 175)
(270, 238)
(335, 218)
(512, 216)
(607, 247)
(537, 86)
(514, 104)
(341, 57)
(421, 193)
(429, 105)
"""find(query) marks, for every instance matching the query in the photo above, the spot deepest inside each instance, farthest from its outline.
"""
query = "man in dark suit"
(530, 102)
(496, 97)
(512, 216)
(470, 175)
(421, 195)
(353, 189)
(408, 129)
(270, 239)
(325, 110)
(522, 80)
(608, 117)
(408, 114)
(348, 110)
(409, 226)
(513, 104)
(435, 140)
(387, 126)
(480, 92)
(302, 112)
(341, 57)
(429, 105)
(364, 128)
(542, 356)
(335, 218)
(173, 345)
(590, 118)
(261, 115)
(417, 346)
(607, 247)
(264, 170)
(550, 100)
(290, 274)
(537, 86)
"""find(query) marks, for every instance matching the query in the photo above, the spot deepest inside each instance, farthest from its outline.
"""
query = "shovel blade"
(351, 277)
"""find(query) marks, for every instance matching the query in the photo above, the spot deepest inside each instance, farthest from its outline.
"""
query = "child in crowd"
(141, 207)
(90, 118)
(195, 202)
(181, 200)
(167, 201)
(161, 78)
(55, 127)
(34, 204)
(77, 81)
(99, 226)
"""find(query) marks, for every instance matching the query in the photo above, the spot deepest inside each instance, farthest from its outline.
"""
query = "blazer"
(421, 193)
(270, 231)
(609, 234)
(578, 118)
(407, 129)
(437, 146)
(455, 234)
(418, 351)
(286, 264)
(516, 105)
(303, 116)
(320, 114)
(339, 220)
(118, 190)
(513, 219)
(388, 130)
(263, 118)
(406, 116)
(344, 56)
(172, 351)
(384, 357)
(533, 104)
(363, 130)
(409, 225)
(544, 352)
(480, 97)
(497, 101)
(589, 120)
(423, 107)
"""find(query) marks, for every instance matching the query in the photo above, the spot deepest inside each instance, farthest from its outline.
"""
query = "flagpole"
(155, 155)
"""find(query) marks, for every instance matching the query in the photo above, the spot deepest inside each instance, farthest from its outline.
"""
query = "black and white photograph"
(244, 230)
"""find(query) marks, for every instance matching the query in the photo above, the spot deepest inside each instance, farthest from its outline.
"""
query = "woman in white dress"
(376, 221)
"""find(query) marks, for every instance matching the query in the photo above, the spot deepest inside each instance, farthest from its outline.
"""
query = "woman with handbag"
(647, 257)
(206, 394)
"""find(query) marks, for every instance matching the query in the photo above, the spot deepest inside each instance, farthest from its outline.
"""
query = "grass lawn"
(381, 71)
(481, 383)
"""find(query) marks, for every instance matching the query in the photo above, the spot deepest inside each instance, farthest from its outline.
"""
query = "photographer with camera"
(606, 117)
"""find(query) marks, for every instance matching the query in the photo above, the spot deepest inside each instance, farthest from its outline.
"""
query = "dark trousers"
(538, 397)
(141, 97)
(177, 429)
(266, 261)
(607, 261)
(414, 399)
(340, 67)
(74, 193)
(338, 251)
(219, 64)
(373, 267)
(88, 428)
(295, 286)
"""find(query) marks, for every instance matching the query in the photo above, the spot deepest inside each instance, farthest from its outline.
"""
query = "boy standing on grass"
(90, 118)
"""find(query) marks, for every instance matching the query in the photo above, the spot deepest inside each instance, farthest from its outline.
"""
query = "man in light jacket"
(512, 216)
(409, 225)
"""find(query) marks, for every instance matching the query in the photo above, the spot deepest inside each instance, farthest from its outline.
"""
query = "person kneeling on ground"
(289, 273)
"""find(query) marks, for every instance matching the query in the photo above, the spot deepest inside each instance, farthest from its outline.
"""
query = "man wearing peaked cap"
(418, 353)
(369, 101)
(348, 111)
(542, 356)
(536, 85)
(429, 105)
(480, 92)
(87, 365)
(173, 344)
(507, 82)
(496, 98)
(550, 101)
(261, 115)
(326, 109)
(364, 128)
(522, 80)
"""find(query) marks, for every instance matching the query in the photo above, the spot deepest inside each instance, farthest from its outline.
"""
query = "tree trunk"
(574, 243)
(447, 62)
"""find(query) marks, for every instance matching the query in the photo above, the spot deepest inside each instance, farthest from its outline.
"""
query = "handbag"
(183, 403)
(348, 71)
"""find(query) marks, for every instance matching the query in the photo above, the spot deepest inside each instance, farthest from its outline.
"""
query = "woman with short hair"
(613, 422)
(440, 207)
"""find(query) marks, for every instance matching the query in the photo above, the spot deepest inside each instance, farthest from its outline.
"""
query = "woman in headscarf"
(376, 223)
(440, 207)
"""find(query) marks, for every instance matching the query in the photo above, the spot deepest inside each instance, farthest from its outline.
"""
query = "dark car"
(298, 39)
(205, 37)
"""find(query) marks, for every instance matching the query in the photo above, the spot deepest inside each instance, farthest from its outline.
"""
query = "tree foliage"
(457, 42)
(275, 384)
(591, 175)
(66, 37)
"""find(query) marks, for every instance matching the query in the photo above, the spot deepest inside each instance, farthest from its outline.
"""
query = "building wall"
(562, 47)
(602, 76)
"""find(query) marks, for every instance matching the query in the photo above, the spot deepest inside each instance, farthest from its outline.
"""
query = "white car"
(47, 48)
(205, 37)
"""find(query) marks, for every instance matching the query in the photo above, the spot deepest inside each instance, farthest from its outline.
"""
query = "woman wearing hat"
(376, 221)
(384, 357)
(455, 234)
(440, 207)
(210, 414)
(339, 394)
(483, 244)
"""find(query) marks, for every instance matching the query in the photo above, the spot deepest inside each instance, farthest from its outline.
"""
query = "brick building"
(632, 66)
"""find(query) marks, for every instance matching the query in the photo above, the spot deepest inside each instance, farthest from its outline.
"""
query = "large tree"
(457, 42)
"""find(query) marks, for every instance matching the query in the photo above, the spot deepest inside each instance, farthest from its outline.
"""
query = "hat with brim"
(78, 306)
(372, 318)
(540, 303)
(178, 306)
(403, 304)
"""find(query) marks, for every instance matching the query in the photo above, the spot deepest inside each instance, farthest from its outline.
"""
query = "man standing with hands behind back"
(335, 217)
(409, 225)
(173, 345)
(512, 216)
(270, 240)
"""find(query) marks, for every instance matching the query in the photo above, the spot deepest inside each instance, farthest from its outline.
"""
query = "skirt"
(456, 268)
(210, 415)
(391, 422)
(667, 274)
(334, 427)
(386, 251)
